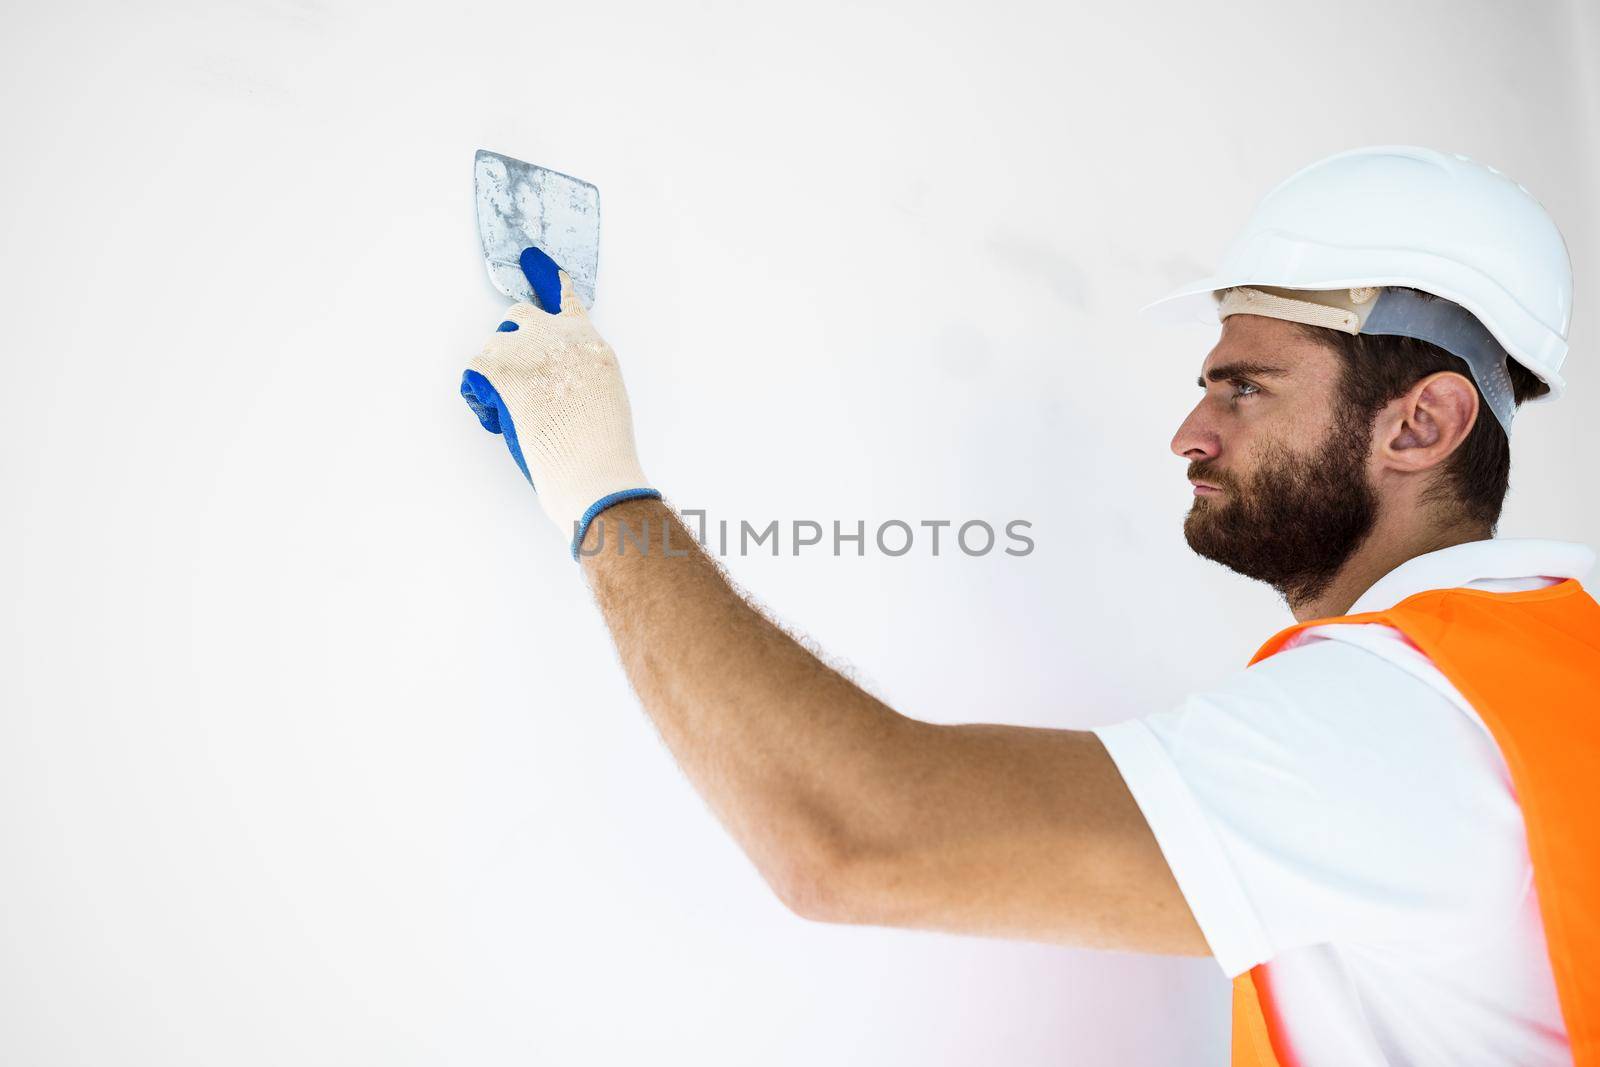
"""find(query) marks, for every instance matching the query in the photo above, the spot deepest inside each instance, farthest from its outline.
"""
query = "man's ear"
(1423, 427)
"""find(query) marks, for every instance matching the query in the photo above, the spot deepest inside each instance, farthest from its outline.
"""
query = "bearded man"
(1381, 828)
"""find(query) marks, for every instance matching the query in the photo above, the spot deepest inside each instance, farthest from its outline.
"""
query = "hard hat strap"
(1334, 309)
(1402, 313)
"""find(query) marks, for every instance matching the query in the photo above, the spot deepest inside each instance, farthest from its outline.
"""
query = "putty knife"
(522, 205)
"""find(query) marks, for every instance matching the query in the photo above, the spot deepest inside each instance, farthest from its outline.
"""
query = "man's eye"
(1244, 388)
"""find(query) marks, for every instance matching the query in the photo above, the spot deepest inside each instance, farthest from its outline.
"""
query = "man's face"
(1279, 465)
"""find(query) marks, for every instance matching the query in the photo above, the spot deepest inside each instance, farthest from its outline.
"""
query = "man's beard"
(1298, 520)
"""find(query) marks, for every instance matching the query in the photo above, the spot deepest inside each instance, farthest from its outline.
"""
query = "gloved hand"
(548, 383)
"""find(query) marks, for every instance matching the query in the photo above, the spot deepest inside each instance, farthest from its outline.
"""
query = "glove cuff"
(581, 525)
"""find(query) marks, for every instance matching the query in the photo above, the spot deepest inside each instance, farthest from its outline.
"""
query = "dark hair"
(1472, 482)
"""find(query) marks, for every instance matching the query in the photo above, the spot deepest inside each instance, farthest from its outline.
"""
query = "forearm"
(795, 760)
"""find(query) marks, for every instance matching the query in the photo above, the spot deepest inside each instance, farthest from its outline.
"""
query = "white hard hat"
(1398, 215)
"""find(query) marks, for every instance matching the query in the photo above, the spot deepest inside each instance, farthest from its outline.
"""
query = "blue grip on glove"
(484, 400)
(544, 275)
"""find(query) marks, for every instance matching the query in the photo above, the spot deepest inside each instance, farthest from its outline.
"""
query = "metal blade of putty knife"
(520, 204)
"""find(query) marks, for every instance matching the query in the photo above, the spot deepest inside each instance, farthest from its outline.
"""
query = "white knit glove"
(552, 387)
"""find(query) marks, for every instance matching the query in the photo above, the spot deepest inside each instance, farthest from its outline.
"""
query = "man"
(1338, 824)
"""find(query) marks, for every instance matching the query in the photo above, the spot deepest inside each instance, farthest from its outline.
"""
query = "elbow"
(825, 884)
(811, 893)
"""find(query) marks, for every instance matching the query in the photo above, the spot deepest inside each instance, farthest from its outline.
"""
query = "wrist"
(616, 506)
(641, 526)
(575, 488)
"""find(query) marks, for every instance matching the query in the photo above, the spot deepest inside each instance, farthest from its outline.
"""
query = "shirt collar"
(1471, 561)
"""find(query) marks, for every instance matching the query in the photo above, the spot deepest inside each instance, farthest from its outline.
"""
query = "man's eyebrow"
(1242, 368)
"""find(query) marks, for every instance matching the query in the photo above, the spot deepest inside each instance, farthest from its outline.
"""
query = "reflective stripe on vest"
(1529, 664)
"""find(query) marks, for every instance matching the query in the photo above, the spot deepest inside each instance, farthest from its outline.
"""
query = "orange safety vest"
(1529, 664)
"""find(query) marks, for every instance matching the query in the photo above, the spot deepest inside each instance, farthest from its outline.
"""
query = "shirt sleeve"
(1325, 794)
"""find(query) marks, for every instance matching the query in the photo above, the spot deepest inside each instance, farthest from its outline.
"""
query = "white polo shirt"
(1340, 813)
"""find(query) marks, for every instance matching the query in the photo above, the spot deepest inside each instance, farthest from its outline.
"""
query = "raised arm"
(851, 811)
(855, 813)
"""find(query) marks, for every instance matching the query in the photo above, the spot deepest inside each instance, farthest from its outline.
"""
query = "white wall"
(313, 750)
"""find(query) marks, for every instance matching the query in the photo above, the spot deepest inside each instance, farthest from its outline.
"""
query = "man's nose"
(1197, 437)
